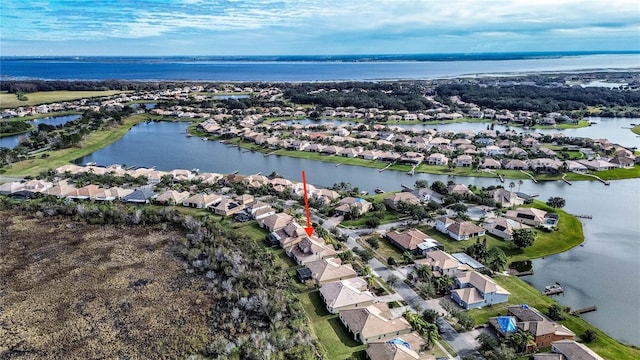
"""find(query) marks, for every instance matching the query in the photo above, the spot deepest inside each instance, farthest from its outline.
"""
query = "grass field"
(568, 234)
(46, 97)
(91, 143)
(636, 129)
(523, 293)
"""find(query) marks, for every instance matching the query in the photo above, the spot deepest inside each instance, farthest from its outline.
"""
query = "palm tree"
(519, 340)
(430, 334)
(520, 182)
(512, 185)
(424, 272)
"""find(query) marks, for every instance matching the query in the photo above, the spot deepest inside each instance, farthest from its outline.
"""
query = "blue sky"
(292, 27)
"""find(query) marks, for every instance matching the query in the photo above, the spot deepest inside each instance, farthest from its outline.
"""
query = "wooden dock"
(584, 310)
(386, 167)
(582, 216)
(529, 175)
(564, 178)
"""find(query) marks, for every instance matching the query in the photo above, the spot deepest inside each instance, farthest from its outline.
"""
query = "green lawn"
(619, 174)
(523, 293)
(334, 338)
(91, 143)
(389, 216)
(385, 249)
(568, 234)
(45, 97)
(636, 129)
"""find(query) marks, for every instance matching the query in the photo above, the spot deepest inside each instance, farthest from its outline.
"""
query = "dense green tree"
(523, 238)
(556, 202)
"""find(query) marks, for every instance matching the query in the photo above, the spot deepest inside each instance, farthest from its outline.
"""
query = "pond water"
(226, 97)
(13, 141)
(604, 271)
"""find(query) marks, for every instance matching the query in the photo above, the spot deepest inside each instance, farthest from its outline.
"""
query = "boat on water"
(379, 191)
(553, 289)
(91, 163)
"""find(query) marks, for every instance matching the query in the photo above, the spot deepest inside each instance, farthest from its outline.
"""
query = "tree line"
(537, 98)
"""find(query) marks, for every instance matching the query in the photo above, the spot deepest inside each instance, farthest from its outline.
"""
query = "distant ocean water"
(307, 68)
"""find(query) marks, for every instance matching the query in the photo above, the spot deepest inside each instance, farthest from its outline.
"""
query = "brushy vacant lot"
(69, 290)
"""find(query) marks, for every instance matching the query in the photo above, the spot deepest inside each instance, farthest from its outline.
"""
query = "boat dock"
(529, 175)
(564, 178)
(582, 216)
(584, 310)
(386, 167)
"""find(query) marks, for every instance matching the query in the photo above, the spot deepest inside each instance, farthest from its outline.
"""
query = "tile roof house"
(503, 227)
(346, 294)
(476, 290)
(226, 207)
(440, 263)
(198, 201)
(394, 199)
(505, 197)
(458, 229)
(489, 163)
(394, 348)
(275, 222)
(391, 350)
(544, 330)
(528, 216)
(347, 204)
(459, 189)
(572, 350)
(437, 159)
(408, 240)
(310, 249)
(374, 322)
(329, 270)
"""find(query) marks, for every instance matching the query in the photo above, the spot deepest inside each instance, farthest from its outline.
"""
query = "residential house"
(503, 227)
(475, 290)
(391, 350)
(545, 165)
(14, 186)
(393, 200)
(571, 350)
(598, 165)
(346, 294)
(226, 207)
(288, 236)
(310, 249)
(489, 163)
(528, 216)
(275, 222)
(140, 196)
(330, 270)
(459, 189)
(410, 240)
(437, 159)
(411, 157)
(172, 197)
(374, 322)
(515, 164)
(358, 205)
(200, 201)
(505, 197)
(402, 347)
(463, 161)
(525, 318)
(463, 230)
(440, 263)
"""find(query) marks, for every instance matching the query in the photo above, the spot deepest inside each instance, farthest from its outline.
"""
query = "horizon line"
(460, 54)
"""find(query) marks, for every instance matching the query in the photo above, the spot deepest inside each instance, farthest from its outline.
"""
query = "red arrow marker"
(309, 228)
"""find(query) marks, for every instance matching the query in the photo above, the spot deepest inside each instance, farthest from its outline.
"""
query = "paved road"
(6, 179)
